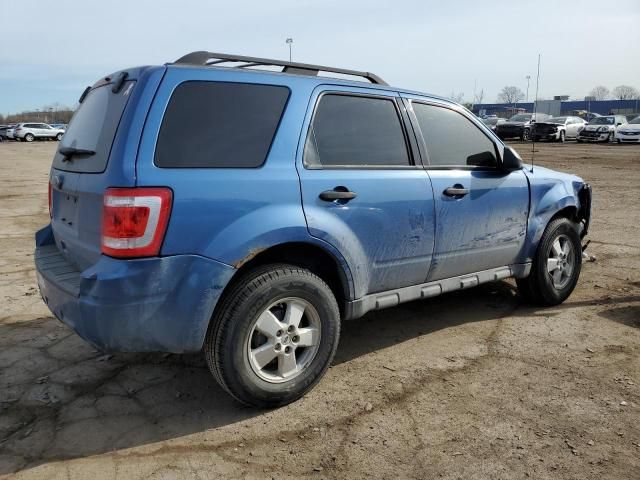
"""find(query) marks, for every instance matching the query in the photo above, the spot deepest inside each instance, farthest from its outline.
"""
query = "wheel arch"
(320, 260)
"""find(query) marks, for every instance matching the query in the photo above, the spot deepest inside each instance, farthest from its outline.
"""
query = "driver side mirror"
(511, 160)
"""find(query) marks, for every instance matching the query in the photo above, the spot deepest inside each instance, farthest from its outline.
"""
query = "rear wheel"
(274, 335)
(29, 137)
(556, 266)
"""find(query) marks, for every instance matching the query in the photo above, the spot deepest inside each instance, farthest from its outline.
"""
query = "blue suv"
(215, 204)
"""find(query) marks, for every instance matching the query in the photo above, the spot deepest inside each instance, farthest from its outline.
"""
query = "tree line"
(512, 94)
(47, 114)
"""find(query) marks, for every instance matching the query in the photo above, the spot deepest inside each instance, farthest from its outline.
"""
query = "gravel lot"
(470, 385)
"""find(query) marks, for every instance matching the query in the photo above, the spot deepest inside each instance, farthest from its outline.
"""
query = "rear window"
(93, 127)
(219, 125)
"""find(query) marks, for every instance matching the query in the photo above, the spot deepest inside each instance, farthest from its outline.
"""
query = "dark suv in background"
(519, 126)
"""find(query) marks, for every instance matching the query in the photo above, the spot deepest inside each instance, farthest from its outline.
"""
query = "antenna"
(533, 118)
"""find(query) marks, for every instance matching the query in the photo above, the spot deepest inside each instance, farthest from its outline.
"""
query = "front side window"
(219, 125)
(355, 131)
(452, 139)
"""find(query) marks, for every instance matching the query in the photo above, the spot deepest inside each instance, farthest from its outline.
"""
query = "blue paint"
(399, 231)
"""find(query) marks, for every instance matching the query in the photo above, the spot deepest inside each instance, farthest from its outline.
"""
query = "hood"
(633, 127)
(542, 173)
(594, 128)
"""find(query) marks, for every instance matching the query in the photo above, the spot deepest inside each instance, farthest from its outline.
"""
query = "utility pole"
(289, 41)
(528, 77)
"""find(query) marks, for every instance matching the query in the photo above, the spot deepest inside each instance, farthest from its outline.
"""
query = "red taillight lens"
(134, 221)
(50, 199)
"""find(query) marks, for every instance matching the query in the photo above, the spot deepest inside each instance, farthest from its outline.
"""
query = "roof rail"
(212, 58)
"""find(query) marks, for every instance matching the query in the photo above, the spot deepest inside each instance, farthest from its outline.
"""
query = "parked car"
(7, 132)
(558, 128)
(36, 131)
(519, 125)
(602, 129)
(631, 116)
(3, 131)
(629, 133)
(493, 122)
(247, 213)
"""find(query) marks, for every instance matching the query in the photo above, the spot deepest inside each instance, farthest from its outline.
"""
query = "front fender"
(549, 196)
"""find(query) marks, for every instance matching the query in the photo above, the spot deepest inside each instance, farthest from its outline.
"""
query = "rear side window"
(452, 139)
(219, 125)
(355, 131)
(93, 127)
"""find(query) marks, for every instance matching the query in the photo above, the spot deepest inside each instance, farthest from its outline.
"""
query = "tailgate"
(80, 173)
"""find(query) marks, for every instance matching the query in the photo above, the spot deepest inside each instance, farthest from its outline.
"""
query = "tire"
(618, 140)
(561, 139)
(525, 135)
(611, 138)
(267, 293)
(540, 287)
(29, 137)
(578, 140)
(59, 137)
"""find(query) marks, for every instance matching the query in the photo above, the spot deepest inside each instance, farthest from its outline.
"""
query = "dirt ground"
(471, 385)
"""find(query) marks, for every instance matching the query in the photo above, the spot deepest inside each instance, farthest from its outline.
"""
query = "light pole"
(289, 41)
(528, 77)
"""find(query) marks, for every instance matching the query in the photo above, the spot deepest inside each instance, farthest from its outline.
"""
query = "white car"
(558, 128)
(602, 129)
(629, 133)
(33, 131)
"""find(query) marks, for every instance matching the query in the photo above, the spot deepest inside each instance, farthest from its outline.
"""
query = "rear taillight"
(49, 198)
(134, 221)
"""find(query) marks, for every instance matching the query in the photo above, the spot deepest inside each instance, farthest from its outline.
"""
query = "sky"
(441, 47)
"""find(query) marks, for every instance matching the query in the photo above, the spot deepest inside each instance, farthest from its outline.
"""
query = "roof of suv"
(223, 61)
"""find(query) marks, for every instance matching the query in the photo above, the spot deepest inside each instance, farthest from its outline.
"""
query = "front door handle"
(338, 193)
(456, 191)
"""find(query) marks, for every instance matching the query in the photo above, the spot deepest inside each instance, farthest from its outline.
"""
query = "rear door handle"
(337, 194)
(456, 191)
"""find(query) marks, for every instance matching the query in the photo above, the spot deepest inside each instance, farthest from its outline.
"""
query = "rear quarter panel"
(232, 214)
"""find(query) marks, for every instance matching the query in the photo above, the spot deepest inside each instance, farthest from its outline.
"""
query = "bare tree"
(600, 92)
(479, 97)
(510, 95)
(456, 97)
(625, 92)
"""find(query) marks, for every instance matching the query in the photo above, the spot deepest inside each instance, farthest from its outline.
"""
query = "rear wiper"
(69, 152)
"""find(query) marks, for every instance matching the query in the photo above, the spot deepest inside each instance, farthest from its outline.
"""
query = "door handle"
(456, 191)
(338, 193)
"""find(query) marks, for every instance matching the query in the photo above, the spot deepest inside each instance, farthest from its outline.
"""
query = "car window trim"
(423, 143)
(376, 96)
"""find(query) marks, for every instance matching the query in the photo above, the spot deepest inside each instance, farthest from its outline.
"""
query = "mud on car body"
(246, 213)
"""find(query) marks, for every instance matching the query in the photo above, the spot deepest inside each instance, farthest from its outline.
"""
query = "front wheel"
(612, 136)
(525, 135)
(274, 335)
(561, 138)
(556, 267)
(59, 137)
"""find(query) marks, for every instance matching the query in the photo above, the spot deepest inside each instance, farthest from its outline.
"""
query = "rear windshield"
(93, 127)
(219, 125)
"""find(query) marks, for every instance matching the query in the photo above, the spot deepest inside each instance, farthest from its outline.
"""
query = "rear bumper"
(154, 304)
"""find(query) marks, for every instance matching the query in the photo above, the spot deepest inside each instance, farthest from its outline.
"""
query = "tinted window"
(452, 139)
(355, 131)
(215, 124)
(93, 127)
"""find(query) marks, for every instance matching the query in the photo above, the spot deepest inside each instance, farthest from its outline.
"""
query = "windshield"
(491, 121)
(602, 121)
(560, 120)
(93, 128)
(520, 118)
(636, 120)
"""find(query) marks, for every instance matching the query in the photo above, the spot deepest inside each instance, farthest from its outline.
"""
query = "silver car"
(33, 131)
(558, 128)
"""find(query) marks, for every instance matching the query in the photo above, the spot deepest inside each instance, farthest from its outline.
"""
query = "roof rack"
(212, 58)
